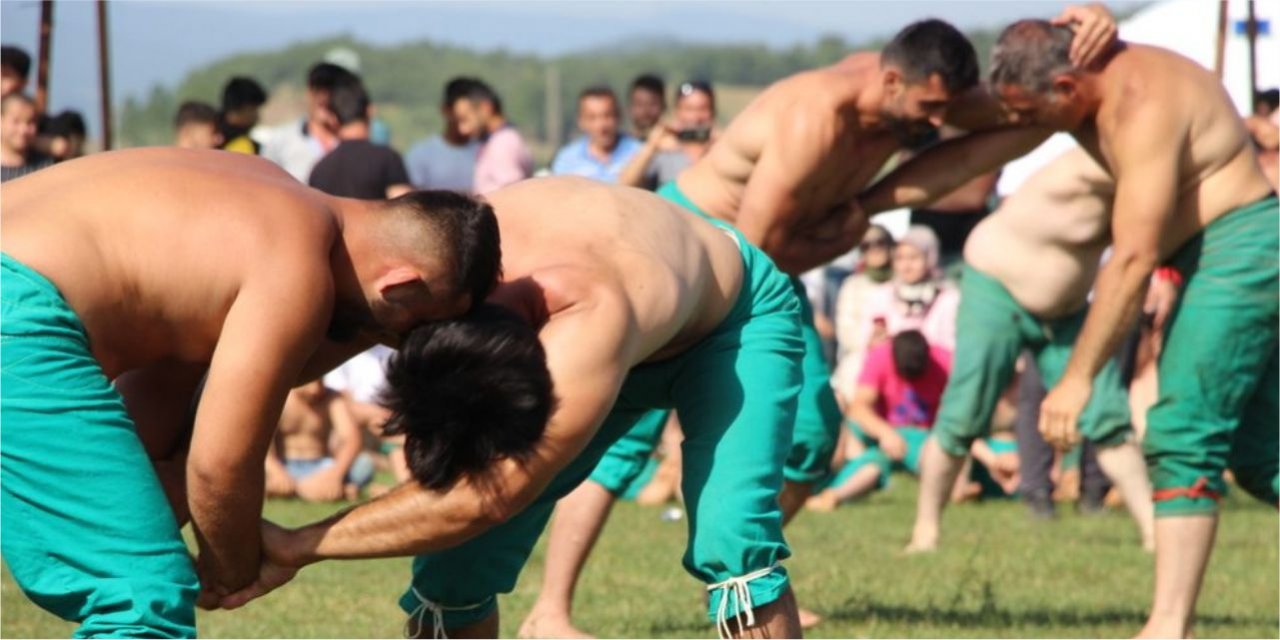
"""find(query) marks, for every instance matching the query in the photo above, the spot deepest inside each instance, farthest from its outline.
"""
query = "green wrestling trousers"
(735, 392)
(86, 529)
(1217, 407)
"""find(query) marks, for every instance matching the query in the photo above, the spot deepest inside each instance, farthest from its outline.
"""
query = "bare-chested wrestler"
(1029, 268)
(316, 453)
(639, 307)
(150, 268)
(1190, 195)
(787, 172)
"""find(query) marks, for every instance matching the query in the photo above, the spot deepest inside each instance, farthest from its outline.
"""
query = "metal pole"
(42, 56)
(1222, 38)
(104, 65)
(1251, 30)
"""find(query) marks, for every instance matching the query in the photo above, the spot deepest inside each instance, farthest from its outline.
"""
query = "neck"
(352, 260)
(495, 123)
(354, 131)
(602, 149)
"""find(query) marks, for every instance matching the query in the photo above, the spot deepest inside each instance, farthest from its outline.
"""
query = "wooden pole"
(1222, 38)
(42, 56)
(104, 66)
(1251, 31)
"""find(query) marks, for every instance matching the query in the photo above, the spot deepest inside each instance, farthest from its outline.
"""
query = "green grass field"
(999, 575)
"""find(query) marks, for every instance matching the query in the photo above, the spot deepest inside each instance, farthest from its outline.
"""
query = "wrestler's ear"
(894, 83)
(401, 285)
(1065, 87)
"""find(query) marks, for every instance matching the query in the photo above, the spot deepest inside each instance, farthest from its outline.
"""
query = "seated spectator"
(646, 102)
(242, 98)
(18, 155)
(672, 146)
(297, 147)
(316, 453)
(874, 269)
(358, 168)
(361, 381)
(602, 151)
(916, 297)
(196, 126)
(503, 157)
(62, 136)
(894, 407)
(446, 160)
(15, 68)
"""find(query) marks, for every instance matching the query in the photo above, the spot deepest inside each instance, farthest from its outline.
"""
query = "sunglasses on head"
(688, 88)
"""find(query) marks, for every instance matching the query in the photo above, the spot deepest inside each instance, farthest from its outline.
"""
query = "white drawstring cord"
(416, 617)
(737, 587)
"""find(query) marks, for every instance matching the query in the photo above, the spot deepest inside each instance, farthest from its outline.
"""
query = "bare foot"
(549, 626)
(921, 545)
(824, 502)
(809, 619)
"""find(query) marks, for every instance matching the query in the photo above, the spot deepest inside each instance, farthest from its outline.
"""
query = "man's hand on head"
(1095, 30)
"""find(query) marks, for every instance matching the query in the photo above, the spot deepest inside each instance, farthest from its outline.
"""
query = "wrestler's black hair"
(910, 354)
(931, 46)
(468, 392)
(465, 232)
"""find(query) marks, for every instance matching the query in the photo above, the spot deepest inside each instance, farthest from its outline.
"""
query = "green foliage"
(999, 574)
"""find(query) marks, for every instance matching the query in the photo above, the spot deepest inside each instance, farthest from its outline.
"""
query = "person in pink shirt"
(917, 297)
(894, 406)
(503, 158)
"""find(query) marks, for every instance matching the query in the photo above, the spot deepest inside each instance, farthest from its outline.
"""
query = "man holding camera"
(675, 145)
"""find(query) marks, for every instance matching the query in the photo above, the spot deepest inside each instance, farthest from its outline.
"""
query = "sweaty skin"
(612, 284)
(176, 261)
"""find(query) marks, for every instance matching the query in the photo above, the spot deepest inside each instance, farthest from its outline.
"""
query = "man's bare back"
(150, 248)
(1044, 242)
(677, 274)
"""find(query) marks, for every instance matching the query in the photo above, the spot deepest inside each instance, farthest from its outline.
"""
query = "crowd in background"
(887, 310)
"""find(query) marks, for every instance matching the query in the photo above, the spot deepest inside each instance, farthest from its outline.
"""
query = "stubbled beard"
(910, 135)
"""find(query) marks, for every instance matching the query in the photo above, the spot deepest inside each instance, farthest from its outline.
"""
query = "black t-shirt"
(359, 169)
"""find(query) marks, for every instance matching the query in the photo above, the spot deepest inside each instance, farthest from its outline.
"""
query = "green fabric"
(818, 415)
(86, 529)
(735, 392)
(915, 438)
(620, 469)
(1217, 406)
(991, 331)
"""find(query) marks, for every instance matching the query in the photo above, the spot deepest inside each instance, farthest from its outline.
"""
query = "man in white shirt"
(446, 160)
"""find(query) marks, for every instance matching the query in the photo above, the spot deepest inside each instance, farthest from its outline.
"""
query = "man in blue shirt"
(602, 152)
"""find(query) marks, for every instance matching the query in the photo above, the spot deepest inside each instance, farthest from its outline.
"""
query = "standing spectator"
(358, 168)
(671, 147)
(646, 102)
(917, 297)
(242, 98)
(297, 147)
(195, 126)
(18, 156)
(446, 160)
(503, 157)
(15, 68)
(379, 132)
(875, 269)
(62, 136)
(603, 150)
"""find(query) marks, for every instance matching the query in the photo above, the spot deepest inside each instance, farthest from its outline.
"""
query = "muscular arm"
(1147, 146)
(947, 166)
(587, 347)
(277, 318)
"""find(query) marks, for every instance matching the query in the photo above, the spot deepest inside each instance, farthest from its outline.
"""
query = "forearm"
(226, 508)
(982, 452)
(633, 174)
(869, 421)
(1118, 298)
(346, 451)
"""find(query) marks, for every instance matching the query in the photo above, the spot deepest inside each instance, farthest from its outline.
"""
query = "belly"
(1046, 279)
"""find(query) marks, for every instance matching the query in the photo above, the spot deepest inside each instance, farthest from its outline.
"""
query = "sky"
(158, 42)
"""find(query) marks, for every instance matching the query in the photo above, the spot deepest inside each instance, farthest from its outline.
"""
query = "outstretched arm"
(1147, 148)
(588, 346)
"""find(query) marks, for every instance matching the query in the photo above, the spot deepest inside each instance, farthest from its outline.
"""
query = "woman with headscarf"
(916, 297)
(874, 269)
